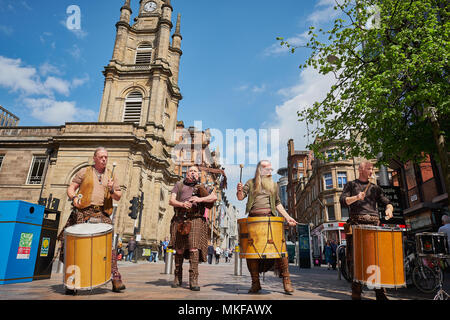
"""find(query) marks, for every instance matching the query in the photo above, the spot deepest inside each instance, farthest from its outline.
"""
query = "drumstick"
(114, 166)
(240, 178)
(371, 177)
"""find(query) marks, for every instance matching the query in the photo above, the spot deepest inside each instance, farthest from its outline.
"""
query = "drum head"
(87, 229)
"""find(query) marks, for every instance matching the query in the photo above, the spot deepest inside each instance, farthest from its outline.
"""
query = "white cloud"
(20, 78)
(47, 68)
(39, 95)
(59, 85)
(326, 12)
(295, 41)
(54, 112)
(311, 87)
(78, 82)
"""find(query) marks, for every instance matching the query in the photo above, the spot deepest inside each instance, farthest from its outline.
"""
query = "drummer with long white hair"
(264, 201)
(361, 197)
(92, 192)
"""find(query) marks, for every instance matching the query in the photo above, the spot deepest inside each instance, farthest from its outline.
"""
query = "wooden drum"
(262, 238)
(378, 256)
(87, 256)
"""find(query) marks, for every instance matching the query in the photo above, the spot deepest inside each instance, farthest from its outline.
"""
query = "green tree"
(392, 80)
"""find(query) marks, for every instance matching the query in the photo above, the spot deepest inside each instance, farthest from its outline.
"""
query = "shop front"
(321, 234)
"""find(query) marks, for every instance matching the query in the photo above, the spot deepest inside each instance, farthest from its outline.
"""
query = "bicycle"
(342, 263)
(424, 273)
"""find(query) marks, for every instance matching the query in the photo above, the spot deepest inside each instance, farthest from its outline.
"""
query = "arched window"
(133, 107)
(144, 54)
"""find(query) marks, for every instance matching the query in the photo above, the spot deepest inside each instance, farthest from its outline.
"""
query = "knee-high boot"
(253, 268)
(356, 291)
(178, 279)
(284, 272)
(193, 270)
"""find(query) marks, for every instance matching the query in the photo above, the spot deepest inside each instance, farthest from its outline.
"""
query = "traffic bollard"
(169, 262)
(237, 262)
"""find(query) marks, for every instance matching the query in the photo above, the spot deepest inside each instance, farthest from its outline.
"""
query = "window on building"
(300, 164)
(328, 181)
(344, 213)
(2, 156)
(36, 170)
(133, 107)
(184, 171)
(342, 179)
(144, 54)
(187, 154)
(331, 214)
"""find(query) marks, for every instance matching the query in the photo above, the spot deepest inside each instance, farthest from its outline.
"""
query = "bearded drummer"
(93, 203)
(264, 201)
(361, 197)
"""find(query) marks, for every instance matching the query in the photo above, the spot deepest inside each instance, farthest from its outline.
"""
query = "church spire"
(125, 12)
(176, 37)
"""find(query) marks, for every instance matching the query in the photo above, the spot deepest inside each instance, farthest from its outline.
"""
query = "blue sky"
(233, 74)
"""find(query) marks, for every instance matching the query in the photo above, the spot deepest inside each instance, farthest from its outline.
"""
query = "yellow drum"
(262, 238)
(87, 256)
(378, 256)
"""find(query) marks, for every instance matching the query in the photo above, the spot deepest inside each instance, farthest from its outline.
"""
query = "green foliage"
(388, 77)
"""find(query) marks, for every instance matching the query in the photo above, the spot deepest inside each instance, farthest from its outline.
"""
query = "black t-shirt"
(374, 195)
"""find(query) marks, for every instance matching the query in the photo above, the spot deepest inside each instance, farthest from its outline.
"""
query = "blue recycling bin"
(20, 231)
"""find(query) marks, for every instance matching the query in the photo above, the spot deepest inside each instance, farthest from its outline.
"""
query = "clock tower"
(141, 79)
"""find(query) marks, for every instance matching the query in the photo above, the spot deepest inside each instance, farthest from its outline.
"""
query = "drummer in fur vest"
(92, 192)
(361, 197)
(264, 201)
(188, 228)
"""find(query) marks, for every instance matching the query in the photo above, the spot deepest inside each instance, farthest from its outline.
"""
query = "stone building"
(297, 161)
(137, 120)
(8, 119)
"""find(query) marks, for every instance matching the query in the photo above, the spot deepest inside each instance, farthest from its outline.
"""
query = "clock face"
(150, 6)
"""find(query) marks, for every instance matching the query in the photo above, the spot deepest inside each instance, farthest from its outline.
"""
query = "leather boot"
(193, 270)
(356, 291)
(284, 272)
(380, 294)
(253, 268)
(117, 285)
(178, 279)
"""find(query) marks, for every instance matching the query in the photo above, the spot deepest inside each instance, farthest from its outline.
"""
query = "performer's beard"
(190, 181)
(267, 183)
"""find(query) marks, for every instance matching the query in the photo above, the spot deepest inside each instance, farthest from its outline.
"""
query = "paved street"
(147, 281)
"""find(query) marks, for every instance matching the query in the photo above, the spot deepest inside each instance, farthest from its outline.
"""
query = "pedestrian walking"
(165, 244)
(327, 251)
(218, 253)
(131, 246)
(227, 255)
(210, 253)
(333, 254)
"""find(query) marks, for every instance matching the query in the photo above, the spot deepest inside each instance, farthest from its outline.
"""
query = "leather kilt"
(196, 239)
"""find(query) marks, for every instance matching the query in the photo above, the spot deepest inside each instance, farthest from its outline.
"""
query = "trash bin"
(20, 230)
(47, 244)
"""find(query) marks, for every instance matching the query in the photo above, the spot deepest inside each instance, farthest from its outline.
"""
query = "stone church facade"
(136, 124)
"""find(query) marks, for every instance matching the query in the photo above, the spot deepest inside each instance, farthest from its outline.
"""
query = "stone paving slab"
(147, 281)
